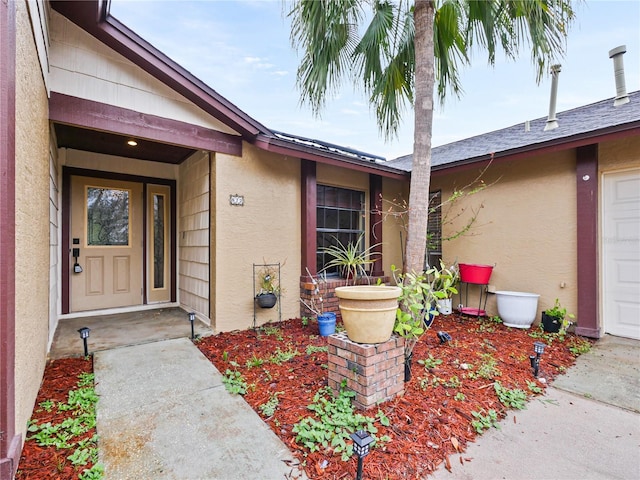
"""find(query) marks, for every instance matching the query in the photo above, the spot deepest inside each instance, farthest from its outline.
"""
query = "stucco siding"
(619, 154)
(526, 227)
(393, 225)
(83, 67)
(265, 230)
(32, 221)
(193, 235)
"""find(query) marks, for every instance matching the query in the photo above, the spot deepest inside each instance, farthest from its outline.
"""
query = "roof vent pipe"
(618, 70)
(552, 122)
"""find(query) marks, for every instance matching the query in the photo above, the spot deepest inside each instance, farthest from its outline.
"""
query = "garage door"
(621, 253)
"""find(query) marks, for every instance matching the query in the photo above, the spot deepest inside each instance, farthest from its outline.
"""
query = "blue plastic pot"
(327, 323)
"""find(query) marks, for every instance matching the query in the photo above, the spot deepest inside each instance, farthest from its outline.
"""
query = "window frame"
(328, 201)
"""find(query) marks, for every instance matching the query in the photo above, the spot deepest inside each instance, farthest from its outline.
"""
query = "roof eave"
(283, 147)
(565, 143)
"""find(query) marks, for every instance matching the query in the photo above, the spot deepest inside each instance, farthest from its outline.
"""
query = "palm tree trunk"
(421, 171)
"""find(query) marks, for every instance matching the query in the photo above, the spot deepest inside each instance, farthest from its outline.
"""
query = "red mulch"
(40, 463)
(428, 426)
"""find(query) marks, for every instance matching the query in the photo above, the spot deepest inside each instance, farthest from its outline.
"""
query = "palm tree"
(410, 50)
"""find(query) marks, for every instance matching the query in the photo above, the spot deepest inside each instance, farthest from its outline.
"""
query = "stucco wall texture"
(32, 221)
(266, 229)
(619, 155)
(526, 227)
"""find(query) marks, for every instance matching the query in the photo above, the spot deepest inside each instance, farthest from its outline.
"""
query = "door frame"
(67, 173)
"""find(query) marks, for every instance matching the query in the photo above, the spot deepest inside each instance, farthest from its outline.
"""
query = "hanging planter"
(368, 311)
(266, 300)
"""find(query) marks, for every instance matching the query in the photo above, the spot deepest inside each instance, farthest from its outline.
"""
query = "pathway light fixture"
(361, 440)
(538, 349)
(192, 318)
(84, 335)
(444, 337)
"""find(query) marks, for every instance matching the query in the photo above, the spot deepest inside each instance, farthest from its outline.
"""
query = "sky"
(241, 49)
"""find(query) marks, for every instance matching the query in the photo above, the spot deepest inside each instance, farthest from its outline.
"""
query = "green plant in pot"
(351, 260)
(415, 310)
(556, 319)
(269, 290)
(444, 285)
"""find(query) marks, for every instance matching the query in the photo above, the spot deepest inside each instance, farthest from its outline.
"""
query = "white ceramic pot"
(517, 309)
(444, 306)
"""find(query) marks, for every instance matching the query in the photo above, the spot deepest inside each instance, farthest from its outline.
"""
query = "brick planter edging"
(375, 372)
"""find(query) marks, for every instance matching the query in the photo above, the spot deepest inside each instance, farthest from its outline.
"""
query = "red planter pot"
(470, 273)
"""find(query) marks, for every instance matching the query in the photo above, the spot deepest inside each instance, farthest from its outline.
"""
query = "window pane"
(340, 215)
(107, 216)
(345, 220)
(434, 229)
(320, 217)
(331, 218)
(158, 241)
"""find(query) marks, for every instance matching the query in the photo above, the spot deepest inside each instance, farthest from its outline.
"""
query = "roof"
(93, 17)
(583, 125)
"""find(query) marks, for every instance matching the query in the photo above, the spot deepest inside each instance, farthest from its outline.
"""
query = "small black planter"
(266, 300)
(551, 324)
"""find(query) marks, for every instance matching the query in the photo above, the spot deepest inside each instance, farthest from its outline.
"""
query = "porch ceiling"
(113, 144)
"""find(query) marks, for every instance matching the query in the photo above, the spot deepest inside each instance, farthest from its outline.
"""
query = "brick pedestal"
(374, 372)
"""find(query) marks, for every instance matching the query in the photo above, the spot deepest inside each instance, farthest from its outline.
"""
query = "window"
(434, 229)
(158, 240)
(107, 216)
(341, 216)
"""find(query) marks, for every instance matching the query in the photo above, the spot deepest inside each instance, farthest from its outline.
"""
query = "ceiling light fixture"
(132, 143)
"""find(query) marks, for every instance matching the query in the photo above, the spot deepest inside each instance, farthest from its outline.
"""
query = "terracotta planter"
(368, 311)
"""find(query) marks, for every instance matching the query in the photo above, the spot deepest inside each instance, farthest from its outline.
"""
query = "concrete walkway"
(123, 329)
(165, 414)
(577, 430)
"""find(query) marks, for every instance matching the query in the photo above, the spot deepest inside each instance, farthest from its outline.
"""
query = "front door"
(621, 253)
(106, 243)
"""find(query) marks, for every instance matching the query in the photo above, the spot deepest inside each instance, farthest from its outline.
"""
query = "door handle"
(75, 254)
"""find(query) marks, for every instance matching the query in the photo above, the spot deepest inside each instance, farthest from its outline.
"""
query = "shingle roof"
(589, 121)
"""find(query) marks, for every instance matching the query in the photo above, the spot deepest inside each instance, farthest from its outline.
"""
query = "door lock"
(75, 254)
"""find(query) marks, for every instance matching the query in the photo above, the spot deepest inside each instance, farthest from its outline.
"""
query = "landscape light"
(192, 317)
(538, 349)
(444, 337)
(84, 335)
(361, 440)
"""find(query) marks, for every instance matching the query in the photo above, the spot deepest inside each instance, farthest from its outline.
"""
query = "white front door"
(621, 253)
